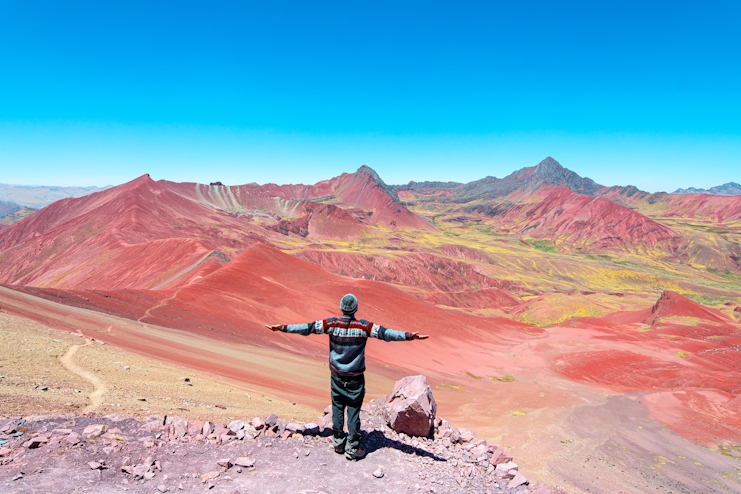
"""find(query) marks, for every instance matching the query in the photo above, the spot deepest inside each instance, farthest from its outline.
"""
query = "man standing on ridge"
(347, 339)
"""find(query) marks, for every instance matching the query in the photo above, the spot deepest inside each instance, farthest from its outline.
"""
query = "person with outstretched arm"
(347, 339)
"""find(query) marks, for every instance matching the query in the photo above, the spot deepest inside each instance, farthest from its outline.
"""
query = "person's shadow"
(375, 440)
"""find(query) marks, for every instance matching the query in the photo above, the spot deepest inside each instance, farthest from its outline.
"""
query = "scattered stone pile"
(408, 447)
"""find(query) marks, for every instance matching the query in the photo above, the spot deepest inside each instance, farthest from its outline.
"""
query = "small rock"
(5, 452)
(455, 435)
(108, 450)
(478, 451)
(466, 436)
(379, 473)
(499, 456)
(44, 388)
(225, 463)
(148, 475)
(18, 477)
(235, 425)
(271, 420)
(62, 432)
(94, 465)
(180, 487)
(311, 429)
(294, 427)
(258, 423)
(506, 467)
(162, 488)
(510, 475)
(139, 471)
(37, 442)
(209, 476)
(517, 480)
(94, 431)
(244, 461)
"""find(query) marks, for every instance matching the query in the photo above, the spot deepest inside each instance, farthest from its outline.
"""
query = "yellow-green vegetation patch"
(456, 387)
(682, 354)
(518, 413)
(683, 320)
(559, 308)
(473, 376)
(731, 451)
(543, 245)
(504, 379)
(661, 461)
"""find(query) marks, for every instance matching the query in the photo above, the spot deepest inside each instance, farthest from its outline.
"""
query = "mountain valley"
(547, 296)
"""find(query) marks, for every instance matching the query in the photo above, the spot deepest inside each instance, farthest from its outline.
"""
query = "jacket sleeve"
(387, 334)
(305, 329)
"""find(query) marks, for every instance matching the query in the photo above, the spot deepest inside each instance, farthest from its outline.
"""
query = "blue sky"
(643, 93)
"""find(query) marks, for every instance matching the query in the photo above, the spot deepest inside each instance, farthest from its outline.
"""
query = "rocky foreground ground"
(118, 453)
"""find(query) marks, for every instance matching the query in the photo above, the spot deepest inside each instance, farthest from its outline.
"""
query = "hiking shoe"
(355, 455)
(339, 449)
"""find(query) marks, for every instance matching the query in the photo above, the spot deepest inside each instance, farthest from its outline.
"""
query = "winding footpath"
(99, 387)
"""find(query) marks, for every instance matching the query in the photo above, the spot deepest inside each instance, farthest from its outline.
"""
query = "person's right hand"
(273, 327)
(417, 336)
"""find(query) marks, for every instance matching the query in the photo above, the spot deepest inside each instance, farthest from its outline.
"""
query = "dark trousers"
(347, 392)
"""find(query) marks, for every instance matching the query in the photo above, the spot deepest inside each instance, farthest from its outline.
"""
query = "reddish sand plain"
(509, 387)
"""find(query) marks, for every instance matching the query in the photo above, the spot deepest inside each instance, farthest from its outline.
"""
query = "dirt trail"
(96, 397)
(160, 304)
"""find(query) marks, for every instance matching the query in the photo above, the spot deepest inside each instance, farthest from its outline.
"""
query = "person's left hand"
(273, 327)
(417, 336)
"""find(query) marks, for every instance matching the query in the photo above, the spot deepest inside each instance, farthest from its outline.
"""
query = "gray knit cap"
(349, 304)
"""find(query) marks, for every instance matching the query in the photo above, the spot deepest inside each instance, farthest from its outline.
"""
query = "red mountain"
(672, 304)
(146, 234)
(138, 235)
(369, 199)
(264, 284)
(575, 220)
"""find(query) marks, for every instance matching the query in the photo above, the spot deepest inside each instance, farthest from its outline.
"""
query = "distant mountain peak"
(367, 169)
(728, 189)
(549, 165)
(547, 172)
(370, 172)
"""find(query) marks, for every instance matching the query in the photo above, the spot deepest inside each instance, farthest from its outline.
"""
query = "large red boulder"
(411, 408)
